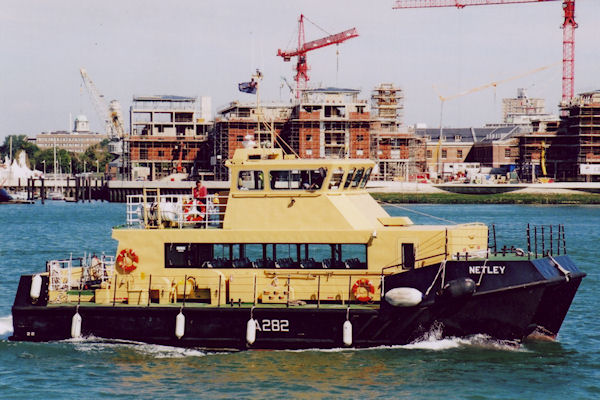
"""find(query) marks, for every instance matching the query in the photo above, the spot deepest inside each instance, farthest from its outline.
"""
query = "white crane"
(110, 114)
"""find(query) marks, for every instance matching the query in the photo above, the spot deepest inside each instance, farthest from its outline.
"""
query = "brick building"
(168, 134)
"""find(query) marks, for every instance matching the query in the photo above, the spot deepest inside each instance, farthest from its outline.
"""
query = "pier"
(90, 188)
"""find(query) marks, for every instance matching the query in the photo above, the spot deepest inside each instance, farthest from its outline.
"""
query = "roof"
(468, 135)
(164, 98)
(331, 90)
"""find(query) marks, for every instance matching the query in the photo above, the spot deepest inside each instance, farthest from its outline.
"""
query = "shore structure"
(296, 255)
(168, 134)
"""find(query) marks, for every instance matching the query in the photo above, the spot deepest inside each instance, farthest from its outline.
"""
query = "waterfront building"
(168, 134)
(76, 141)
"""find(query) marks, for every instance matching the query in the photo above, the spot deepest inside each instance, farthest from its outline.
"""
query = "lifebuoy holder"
(127, 260)
(363, 290)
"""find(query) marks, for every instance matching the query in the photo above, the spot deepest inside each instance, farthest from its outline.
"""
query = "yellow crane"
(493, 84)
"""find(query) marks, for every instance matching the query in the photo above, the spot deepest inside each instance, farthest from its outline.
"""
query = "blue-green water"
(475, 368)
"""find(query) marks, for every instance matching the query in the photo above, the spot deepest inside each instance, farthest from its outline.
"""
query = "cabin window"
(187, 255)
(336, 179)
(266, 255)
(349, 178)
(298, 179)
(365, 179)
(408, 255)
(357, 177)
(251, 180)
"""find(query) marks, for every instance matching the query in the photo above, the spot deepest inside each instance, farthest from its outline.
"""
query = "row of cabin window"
(304, 179)
(258, 255)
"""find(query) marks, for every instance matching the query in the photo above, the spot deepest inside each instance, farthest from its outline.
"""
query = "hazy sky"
(204, 48)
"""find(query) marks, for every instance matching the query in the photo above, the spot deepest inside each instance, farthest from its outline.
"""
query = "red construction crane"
(569, 25)
(304, 47)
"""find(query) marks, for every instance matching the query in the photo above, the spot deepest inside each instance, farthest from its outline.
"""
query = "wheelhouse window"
(349, 178)
(298, 179)
(357, 178)
(365, 178)
(251, 180)
(336, 179)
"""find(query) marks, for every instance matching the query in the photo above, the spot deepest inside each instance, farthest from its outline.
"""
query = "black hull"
(507, 312)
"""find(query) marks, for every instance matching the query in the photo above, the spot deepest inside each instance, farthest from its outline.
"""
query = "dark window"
(444, 153)
(408, 255)
(506, 152)
(187, 255)
(266, 255)
(429, 155)
(459, 153)
(357, 177)
(349, 178)
(143, 154)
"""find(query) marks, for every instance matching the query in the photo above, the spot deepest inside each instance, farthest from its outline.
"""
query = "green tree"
(19, 142)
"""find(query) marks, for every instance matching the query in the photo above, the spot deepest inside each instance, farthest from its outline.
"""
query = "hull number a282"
(273, 325)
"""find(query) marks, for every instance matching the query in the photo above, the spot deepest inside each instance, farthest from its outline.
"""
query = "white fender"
(36, 287)
(76, 325)
(404, 297)
(179, 325)
(347, 333)
(251, 331)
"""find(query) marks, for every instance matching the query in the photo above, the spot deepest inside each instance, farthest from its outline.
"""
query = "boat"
(296, 255)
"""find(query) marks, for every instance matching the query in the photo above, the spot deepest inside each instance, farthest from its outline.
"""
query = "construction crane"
(568, 26)
(304, 47)
(493, 84)
(110, 114)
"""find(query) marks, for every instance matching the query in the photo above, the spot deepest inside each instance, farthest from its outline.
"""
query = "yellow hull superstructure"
(289, 230)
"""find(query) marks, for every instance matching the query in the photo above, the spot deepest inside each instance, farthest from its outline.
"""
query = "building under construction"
(329, 123)
(399, 154)
(325, 123)
(238, 120)
(168, 134)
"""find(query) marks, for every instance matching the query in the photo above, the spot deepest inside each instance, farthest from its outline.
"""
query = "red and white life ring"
(363, 290)
(191, 212)
(127, 260)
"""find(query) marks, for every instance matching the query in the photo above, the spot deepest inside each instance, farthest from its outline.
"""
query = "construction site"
(176, 137)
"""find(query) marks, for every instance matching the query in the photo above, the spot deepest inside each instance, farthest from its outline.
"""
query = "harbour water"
(472, 368)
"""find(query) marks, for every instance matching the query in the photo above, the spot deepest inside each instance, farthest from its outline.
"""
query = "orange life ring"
(363, 290)
(127, 260)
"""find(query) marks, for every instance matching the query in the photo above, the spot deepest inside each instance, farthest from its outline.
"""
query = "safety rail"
(77, 273)
(175, 211)
(542, 240)
(215, 289)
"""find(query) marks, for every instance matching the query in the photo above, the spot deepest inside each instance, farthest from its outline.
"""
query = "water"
(473, 368)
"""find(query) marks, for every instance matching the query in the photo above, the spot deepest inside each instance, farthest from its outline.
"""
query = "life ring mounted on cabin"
(363, 290)
(127, 260)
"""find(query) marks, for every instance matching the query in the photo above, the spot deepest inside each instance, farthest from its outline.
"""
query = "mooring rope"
(418, 212)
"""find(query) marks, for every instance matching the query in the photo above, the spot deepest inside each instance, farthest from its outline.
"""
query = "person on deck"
(199, 192)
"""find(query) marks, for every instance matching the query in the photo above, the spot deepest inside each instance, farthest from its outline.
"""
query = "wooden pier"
(78, 189)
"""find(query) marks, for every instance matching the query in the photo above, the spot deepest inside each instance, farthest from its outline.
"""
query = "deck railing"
(175, 211)
(75, 273)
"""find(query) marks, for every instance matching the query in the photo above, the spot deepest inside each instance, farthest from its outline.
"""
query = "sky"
(204, 48)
